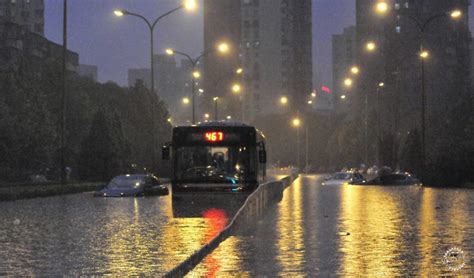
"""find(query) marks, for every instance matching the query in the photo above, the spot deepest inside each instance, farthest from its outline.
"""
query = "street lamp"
(196, 74)
(221, 48)
(239, 71)
(456, 14)
(424, 54)
(355, 70)
(381, 7)
(236, 88)
(296, 122)
(185, 100)
(284, 100)
(348, 82)
(187, 5)
(216, 100)
(371, 46)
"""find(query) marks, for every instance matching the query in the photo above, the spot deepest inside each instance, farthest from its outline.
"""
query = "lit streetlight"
(355, 70)
(229, 117)
(371, 46)
(186, 100)
(381, 84)
(221, 48)
(343, 97)
(381, 7)
(284, 100)
(456, 14)
(348, 82)
(296, 122)
(236, 89)
(239, 71)
(424, 54)
(188, 5)
(216, 102)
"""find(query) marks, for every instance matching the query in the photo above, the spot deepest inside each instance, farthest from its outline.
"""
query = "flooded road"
(354, 230)
(82, 235)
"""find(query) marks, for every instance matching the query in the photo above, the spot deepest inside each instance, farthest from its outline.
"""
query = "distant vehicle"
(341, 178)
(216, 156)
(392, 179)
(373, 171)
(133, 186)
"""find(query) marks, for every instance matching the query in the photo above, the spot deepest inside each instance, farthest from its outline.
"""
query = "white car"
(341, 178)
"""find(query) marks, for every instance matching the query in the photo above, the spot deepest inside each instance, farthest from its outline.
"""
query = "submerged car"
(392, 179)
(341, 178)
(133, 186)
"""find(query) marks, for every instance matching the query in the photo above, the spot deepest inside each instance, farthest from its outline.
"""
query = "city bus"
(216, 156)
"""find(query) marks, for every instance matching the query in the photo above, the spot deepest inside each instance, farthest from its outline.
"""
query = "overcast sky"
(117, 44)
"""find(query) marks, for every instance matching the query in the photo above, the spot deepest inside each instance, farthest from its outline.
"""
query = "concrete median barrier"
(254, 207)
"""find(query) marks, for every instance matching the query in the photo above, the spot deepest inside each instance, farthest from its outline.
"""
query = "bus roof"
(218, 124)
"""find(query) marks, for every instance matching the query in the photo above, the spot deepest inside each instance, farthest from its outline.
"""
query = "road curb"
(255, 205)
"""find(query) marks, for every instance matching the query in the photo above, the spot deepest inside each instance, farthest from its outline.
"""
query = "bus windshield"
(197, 164)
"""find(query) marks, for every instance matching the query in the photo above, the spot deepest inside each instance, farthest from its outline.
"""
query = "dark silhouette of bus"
(216, 156)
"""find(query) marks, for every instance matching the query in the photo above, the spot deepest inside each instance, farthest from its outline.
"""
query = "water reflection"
(290, 241)
(82, 235)
(370, 232)
(354, 231)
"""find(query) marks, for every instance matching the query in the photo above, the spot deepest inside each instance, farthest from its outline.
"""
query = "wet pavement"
(352, 231)
(82, 235)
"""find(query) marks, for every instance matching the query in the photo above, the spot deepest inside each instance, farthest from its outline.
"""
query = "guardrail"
(255, 205)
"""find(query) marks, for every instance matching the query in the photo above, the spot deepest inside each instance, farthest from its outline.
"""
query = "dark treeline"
(108, 128)
(335, 142)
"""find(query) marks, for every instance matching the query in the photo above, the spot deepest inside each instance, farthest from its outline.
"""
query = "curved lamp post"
(422, 26)
(188, 5)
(222, 47)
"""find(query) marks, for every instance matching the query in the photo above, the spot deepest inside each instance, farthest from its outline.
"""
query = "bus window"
(214, 164)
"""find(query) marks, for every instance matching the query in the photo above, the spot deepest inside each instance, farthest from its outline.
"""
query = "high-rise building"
(27, 13)
(395, 109)
(276, 54)
(472, 63)
(272, 41)
(222, 21)
(344, 51)
(165, 77)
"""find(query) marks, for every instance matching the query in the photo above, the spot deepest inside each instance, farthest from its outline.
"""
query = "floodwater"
(83, 235)
(354, 231)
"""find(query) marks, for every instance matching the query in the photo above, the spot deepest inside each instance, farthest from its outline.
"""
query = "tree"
(99, 158)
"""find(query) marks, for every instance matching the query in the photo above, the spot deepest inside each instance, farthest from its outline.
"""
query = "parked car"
(341, 178)
(133, 185)
(392, 179)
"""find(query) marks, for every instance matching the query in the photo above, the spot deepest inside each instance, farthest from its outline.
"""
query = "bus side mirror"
(165, 152)
(262, 156)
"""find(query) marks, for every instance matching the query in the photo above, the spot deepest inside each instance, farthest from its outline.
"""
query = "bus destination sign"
(214, 136)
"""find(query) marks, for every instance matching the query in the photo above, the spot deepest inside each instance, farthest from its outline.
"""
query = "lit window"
(398, 29)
